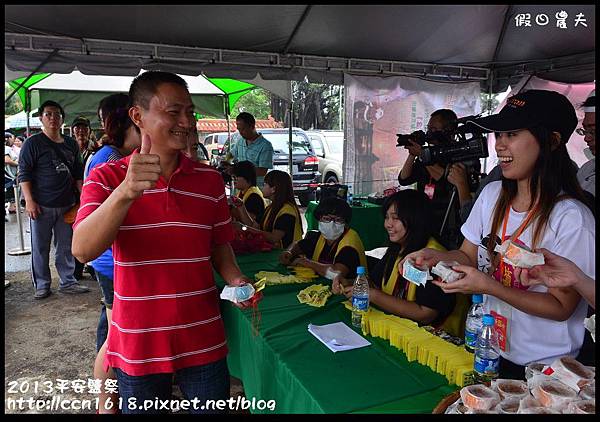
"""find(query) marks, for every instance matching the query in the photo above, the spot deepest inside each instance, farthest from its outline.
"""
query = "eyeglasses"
(51, 114)
(328, 219)
(583, 132)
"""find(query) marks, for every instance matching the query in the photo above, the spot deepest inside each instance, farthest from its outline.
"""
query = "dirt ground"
(51, 339)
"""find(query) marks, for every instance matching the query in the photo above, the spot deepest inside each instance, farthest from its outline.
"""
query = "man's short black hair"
(335, 206)
(246, 118)
(144, 86)
(50, 103)
(247, 170)
(447, 115)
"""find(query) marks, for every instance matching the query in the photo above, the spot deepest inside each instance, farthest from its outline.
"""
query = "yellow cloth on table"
(315, 295)
(275, 278)
(419, 345)
(304, 272)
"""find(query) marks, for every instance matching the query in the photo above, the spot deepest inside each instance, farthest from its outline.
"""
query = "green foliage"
(14, 106)
(257, 102)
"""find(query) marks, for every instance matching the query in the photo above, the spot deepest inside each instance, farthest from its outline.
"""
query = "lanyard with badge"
(502, 315)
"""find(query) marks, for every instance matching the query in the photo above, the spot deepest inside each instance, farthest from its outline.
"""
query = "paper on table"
(338, 336)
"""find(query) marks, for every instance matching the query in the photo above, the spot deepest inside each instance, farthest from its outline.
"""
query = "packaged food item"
(539, 410)
(237, 294)
(476, 411)
(570, 372)
(533, 369)
(581, 407)
(519, 255)
(527, 402)
(456, 408)
(510, 388)
(553, 393)
(444, 270)
(415, 274)
(479, 397)
(590, 325)
(510, 405)
(588, 392)
(315, 295)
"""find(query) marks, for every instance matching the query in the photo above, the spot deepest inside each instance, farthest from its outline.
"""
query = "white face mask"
(331, 230)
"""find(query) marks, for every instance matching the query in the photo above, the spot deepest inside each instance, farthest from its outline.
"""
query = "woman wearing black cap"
(335, 248)
(537, 204)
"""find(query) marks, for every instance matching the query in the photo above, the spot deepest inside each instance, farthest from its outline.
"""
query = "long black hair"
(413, 210)
(554, 178)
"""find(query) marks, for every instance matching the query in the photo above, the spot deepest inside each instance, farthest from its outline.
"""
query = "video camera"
(420, 138)
(453, 147)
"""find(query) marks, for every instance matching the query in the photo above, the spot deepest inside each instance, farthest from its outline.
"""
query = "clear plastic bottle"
(360, 296)
(350, 196)
(487, 358)
(473, 323)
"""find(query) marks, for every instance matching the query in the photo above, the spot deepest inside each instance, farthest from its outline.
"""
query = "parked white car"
(329, 147)
(215, 141)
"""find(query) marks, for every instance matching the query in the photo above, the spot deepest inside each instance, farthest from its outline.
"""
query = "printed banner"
(379, 108)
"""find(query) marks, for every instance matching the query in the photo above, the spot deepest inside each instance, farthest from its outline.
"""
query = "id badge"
(502, 318)
(429, 190)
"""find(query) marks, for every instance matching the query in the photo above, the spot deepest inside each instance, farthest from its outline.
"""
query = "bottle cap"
(477, 298)
(360, 270)
(488, 319)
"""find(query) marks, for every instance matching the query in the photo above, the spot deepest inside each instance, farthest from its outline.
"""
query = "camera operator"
(437, 180)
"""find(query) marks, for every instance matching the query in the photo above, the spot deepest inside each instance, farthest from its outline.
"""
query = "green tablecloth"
(367, 220)
(287, 364)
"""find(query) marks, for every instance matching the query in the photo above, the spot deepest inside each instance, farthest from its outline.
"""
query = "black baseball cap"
(535, 107)
(81, 121)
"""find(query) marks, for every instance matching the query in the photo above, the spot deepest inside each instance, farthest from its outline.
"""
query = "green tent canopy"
(80, 94)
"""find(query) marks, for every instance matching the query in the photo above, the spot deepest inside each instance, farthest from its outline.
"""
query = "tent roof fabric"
(292, 42)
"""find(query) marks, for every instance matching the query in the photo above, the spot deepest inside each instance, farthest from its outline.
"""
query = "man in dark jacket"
(50, 175)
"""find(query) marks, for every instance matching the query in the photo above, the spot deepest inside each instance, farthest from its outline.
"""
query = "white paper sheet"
(338, 336)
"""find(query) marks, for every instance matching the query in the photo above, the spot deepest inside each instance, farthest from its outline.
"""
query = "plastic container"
(479, 397)
(487, 359)
(474, 323)
(510, 388)
(360, 296)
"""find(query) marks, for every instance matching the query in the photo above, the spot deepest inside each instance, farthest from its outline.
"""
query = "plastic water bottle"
(350, 196)
(360, 296)
(473, 323)
(487, 358)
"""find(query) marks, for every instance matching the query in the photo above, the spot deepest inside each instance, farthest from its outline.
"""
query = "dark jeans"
(205, 382)
(102, 329)
(107, 287)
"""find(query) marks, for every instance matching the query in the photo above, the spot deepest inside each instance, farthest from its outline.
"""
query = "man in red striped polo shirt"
(167, 220)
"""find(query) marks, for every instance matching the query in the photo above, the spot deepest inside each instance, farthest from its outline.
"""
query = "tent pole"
(31, 74)
(231, 184)
(27, 110)
(291, 159)
(489, 106)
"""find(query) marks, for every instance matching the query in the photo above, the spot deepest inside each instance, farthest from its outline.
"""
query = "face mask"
(331, 230)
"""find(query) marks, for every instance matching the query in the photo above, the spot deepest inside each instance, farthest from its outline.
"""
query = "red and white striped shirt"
(166, 307)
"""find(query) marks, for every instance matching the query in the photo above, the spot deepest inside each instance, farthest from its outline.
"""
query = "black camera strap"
(61, 156)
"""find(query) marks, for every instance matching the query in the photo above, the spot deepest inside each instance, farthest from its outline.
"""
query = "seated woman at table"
(249, 194)
(408, 223)
(281, 223)
(335, 248)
